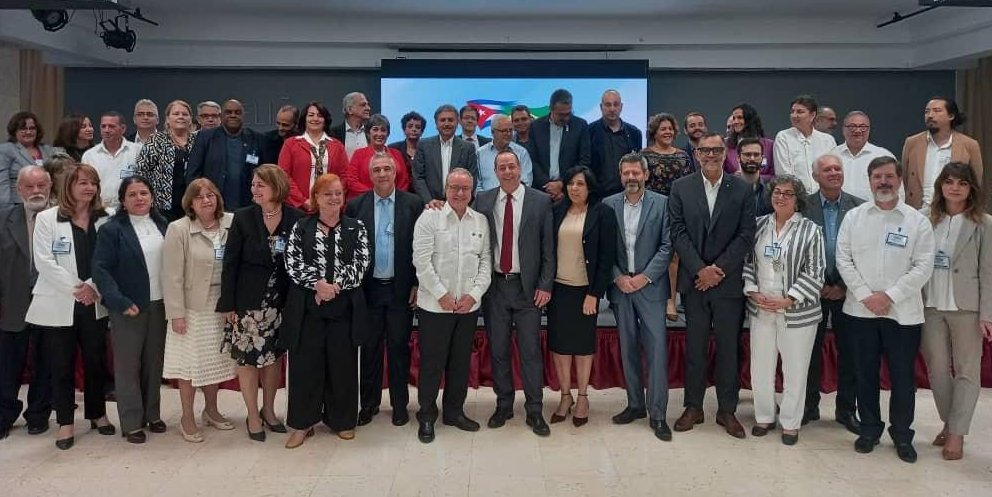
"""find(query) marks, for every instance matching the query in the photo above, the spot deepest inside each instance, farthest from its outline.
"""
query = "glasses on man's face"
(709, 151)
(459, 189)
(857, 127)
(783, 194)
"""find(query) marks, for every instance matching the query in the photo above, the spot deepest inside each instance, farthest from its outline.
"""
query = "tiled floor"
(599, 459)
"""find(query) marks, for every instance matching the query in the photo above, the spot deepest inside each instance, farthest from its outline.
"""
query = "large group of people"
(206, 251)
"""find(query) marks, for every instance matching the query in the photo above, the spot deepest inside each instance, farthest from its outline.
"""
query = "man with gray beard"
(17, 277)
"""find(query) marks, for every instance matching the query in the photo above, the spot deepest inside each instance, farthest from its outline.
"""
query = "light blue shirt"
(831, 210)
(555, 146)
(487, 166)
(385, 208)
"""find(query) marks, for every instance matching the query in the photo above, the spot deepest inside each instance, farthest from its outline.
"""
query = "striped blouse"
(804, 263)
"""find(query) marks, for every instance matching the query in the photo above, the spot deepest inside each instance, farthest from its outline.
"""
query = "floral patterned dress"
(252, 339)
(664, 169)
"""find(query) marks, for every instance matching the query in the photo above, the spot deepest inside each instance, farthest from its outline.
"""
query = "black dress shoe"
(850, 421)
(811, 415)
(499, 418)
(629, 415)
(760, 430)
(38, 429)
(65, 443)
(136, 437)
(107, 429)
(864, 445)
(258, 436)
(462, 422)
(365, 415)
(157, 426)
(538, 425)
(401, 417)
(4, 432)
(790, 439)
(661, 430)
(906, 452)
(425, 433)
(276, 427)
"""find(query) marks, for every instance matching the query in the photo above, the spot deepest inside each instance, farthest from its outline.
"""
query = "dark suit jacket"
(724, 239)
(574, 148)
(482, 139)
(208, 159)
(814, 211)
(337, 131)
(248, 259)
(762, 198)
(17, 274)
(271, 146)
(427, 172)
(119, 268)
(535, 241)
(599, 244)
(406, 210)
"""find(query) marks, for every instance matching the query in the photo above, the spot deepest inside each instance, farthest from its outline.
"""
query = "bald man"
(610, 138)
(826, 120)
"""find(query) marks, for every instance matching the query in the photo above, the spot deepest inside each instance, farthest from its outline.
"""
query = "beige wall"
(10, 92)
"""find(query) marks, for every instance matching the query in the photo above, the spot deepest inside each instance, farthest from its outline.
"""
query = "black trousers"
(392, 321)
(445, 349)
(13, 356)
(323, 373)
(877, 338)
(507, 306)
(90, 336)
(724, 316)
(847, 360)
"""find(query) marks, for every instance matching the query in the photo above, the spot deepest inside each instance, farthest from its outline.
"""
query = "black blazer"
(599, 244)
(17, 275)
(574, 148)
(271, 146)
(724, 239)
(119, 268)
(405, 213)
(337, 131)
(297, 297)
(814, 211)
(248, 259)
(208, 159)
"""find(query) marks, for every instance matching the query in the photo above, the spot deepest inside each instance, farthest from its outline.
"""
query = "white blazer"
(53, 302)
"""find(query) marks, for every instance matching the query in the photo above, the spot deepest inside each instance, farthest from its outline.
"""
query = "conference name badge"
(61, 246)
(941, 260)
(127, 172)
(279, 245)
(218, 253)
(252, 159)
(896, 240)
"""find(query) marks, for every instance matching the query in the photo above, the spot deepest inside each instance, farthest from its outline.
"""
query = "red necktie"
(506, 249)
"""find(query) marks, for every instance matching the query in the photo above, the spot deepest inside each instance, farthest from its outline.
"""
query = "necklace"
(210, 227)
(271, 214)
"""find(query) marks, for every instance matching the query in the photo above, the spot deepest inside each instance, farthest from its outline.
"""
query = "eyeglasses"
(460, 189)
(783, 194)
(710, 150)
(857, 127)
(28, 128)
(145, 114)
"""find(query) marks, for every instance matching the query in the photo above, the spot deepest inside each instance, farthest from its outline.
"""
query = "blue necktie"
(382, 245)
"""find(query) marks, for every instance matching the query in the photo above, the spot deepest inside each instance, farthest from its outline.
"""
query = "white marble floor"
(599, 459)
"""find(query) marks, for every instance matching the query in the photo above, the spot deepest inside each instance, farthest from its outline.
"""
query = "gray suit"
(510, 301)
(641, 315)
(13, 156)
(428, 174)
(847, 379)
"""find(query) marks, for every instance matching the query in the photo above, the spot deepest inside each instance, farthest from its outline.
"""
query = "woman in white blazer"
(65, 301)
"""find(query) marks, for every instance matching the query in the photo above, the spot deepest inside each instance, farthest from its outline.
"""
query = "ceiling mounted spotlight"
(115, 37)
(51, 20)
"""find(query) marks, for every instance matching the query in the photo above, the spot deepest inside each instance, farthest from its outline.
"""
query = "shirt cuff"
(860, 293)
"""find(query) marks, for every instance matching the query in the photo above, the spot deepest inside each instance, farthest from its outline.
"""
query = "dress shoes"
(296, 441)
(629, 415)
(425, 432)
(850, 421)
(400, 417)
(760, 430)
(4, 432)
(346, 434)
(365, 415)
(864, 445)
(38, 429)
(107, 429)
(906, 452)
(276, 427)
(136, 437)
(690, 417)
(729, 423)
(256, 436)
(661, 430)
(157, 426)
(499, 418)
(65, 443)
(811, 415)
(538, 425)
(788, 439)
(220, 424)
(462, 422)
(941, 439)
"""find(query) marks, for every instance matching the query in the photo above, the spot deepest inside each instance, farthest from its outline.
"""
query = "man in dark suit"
(610, 138)
(558, 142)
(351, 131)
(17, 277)
(827, 209)
(712, 216)
(639, 293)
(227, 156)
(390, 288)
(287, 119)
(438, 155)
(469, 118)
(520, 228)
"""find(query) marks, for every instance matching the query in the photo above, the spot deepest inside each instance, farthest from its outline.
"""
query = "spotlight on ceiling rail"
(51, 19)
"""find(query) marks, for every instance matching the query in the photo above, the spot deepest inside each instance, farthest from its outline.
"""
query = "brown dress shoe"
(692, 416)
(729, 422)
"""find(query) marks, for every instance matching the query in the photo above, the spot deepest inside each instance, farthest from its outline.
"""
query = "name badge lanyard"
(942, 259)
(777, 245)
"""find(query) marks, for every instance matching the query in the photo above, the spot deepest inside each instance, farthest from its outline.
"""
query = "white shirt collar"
(517, 194)
(706, 181)
(950, 139)
(323, 137)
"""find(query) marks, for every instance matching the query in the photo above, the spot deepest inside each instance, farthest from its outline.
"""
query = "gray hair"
(611, 91)
(828, 156)
(797, 186)
(349, 100)
(445, 108)
(499, 117)
(207, 103)
(145, 101)
(458, 171)
(632, 158)
(379, 156)
(855, 113)
(377, 120)
(26, 171)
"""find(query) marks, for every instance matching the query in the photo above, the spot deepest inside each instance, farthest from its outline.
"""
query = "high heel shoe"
(195, 437)
(258, 436)
(223, 424)
(107, 429)
(558, 418)
(671, 311)
(276, 427)
(577, 421)
(291, 445)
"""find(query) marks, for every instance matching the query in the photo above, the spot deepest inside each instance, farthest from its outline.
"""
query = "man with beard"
(885, 255)
(17, 277)
(694, 126)
(857, 152)
(610, 139)
(926, 153)
(826, 120)
(227, 156)
(749, 154)
(287, 119)
(640, 288)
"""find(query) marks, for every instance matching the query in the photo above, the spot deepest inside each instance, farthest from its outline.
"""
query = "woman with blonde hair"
(163, 159)
(192, 262)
